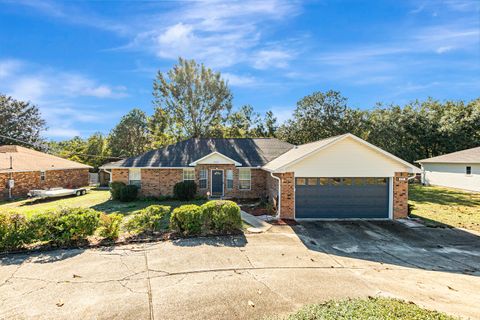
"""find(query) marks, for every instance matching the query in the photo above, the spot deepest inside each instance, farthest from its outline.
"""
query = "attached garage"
(342, 198)
(342, 177)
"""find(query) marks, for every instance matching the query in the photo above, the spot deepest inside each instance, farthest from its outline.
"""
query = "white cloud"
(269, 58)
(8, 67)
(238, 80)
(29, 88)
(282, 113)
(62, 132)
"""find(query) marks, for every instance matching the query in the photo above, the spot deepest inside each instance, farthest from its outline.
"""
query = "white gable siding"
(452, 175)
(346, 158)
(215, 158)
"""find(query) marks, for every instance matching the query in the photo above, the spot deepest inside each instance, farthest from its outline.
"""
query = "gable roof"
(464, 156)
(24, 159)
(254, 152)
(303, 151)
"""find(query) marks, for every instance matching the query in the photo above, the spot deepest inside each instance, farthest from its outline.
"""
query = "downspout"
(279, 194)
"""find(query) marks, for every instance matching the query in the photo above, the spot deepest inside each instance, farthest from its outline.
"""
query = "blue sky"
(87, 63)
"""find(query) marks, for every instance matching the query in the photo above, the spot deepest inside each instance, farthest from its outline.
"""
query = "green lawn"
(363, 309)
(445, 206)
(95, 199)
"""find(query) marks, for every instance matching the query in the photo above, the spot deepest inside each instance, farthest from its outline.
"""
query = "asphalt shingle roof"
(465, 156)
(24, 159)
(249, 152)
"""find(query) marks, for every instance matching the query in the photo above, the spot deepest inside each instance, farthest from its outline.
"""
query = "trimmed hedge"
(185, 190)
(187, 219)
(153, 218)
(213, 217)
(61, 227)
(222, 216)
(110, 225)
(122, 192)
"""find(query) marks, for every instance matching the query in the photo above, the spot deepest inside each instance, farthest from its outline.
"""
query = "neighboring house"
(459, 169)
(338, 177)
(30, 169)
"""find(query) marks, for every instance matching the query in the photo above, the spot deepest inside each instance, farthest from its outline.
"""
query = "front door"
(217, 182)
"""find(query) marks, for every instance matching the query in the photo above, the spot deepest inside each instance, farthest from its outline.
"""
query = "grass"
(362, 309)
(95, 199)
(439, 206)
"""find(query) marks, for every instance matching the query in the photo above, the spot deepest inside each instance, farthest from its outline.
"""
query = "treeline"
(191, 100)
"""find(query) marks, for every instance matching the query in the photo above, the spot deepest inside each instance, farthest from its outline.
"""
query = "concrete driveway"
(247, 276)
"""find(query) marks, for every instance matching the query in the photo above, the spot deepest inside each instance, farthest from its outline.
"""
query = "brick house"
(342, 177)
(30, 169)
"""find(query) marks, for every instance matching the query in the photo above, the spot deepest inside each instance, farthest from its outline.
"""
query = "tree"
(95, 150)
(20, 120)
(243, 123)
(157, 126)
(130, 137)
(318, 116)
(269, 125)
(196, 101)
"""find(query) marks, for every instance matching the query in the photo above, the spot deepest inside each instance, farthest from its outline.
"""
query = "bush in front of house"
(109, 225)
(222, 216)
(187, 220)
(73, 224)
(14, 231)
(185, 190)
(122, 192)
(151, 219)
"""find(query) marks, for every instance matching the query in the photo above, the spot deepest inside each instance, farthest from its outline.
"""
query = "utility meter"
(11, 183)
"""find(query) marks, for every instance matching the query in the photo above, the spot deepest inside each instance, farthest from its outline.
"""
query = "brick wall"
(26, 181)
(120, 175)
(272, 190)
(400, 195)
(287, 210)
(156, 182)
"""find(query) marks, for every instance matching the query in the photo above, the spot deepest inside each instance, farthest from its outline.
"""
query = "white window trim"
(239, 180)
(200, 179)
(227, 179)
(188, 170)
(132, 170)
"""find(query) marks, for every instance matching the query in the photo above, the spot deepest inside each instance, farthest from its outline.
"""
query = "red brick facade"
(400, 195)
(26, 181)
(287, 203)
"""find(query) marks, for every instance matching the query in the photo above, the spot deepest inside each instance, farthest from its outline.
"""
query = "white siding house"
(456, 170)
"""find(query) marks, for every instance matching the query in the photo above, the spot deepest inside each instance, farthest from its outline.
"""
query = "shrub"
(14, 231)
(222, 216)
(122, 192)
(42, 226)
(110, 225)
(115, 188)
(187, 219)
(151, 219)
(73, 224)
(185, 190)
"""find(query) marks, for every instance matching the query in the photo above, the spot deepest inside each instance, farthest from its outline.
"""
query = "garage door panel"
(342, 201)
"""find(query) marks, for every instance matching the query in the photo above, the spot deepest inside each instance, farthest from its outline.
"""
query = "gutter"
(279, 194)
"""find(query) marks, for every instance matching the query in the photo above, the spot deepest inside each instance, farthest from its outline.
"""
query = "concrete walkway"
(257, 225)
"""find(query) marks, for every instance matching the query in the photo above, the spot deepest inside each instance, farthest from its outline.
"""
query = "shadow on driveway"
(216, 241)
(435, 249)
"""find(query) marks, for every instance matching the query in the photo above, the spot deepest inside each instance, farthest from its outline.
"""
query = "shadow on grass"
(126, 208)
(443, 196)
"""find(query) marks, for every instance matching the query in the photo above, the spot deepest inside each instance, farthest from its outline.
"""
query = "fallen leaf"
(251, 304)
(452, 288)
(76, 276)
(60, 304)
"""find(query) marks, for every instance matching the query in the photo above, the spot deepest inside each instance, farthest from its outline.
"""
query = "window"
(202, 182)
(135, 177)
(42, 175)
(336, 181)
(382, 181)
(358, 181)
(244, 179)
(371, 180)
(312, 181)
(188, 174)
(347, 181)
(230, 179)
(301, 181)
(323, 181)
(468, 170)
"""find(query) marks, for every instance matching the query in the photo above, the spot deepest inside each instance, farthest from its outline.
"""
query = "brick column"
(400, 195)
(287, 210)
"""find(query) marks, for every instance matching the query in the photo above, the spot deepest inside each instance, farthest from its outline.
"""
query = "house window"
(188, 174)
(301, 181)
(135, 177)
(230, 179)
(468, 170)
(312, 181)
(202, 182)
(244, 179)
(42, 175)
